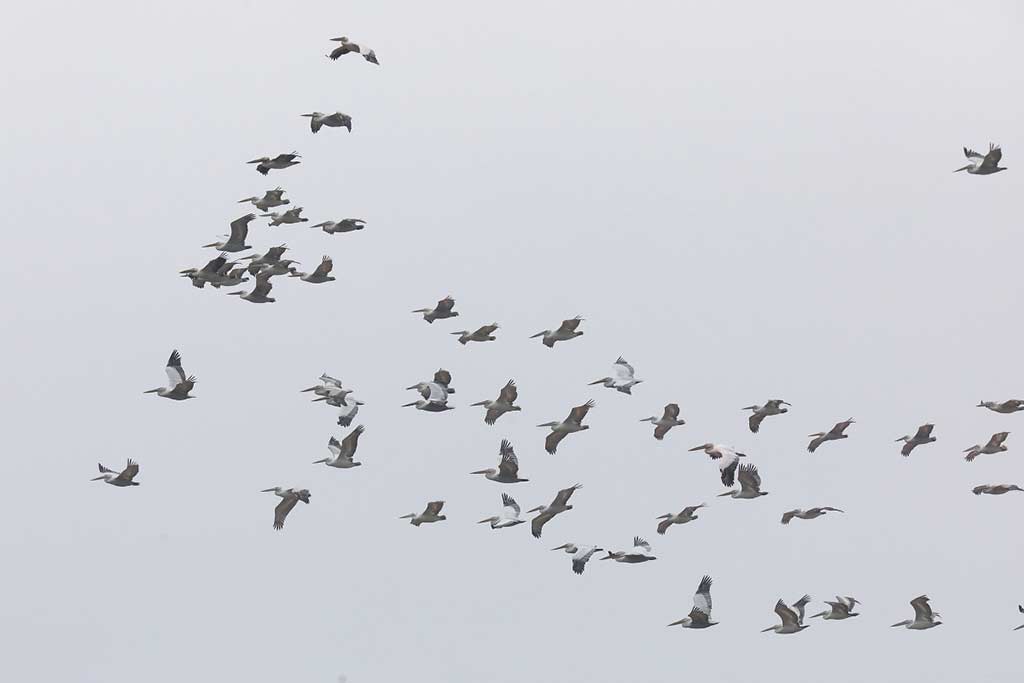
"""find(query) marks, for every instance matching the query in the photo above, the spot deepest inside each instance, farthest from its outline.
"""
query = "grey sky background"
(746, 200)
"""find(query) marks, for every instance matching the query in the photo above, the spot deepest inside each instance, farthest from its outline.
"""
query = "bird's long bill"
(408, 516)
(723, 495)
(484, 521)
(254, 161)
(536, 509)
(267, 490)
(963, 168)
(480, 472)
(676, 623)
(97, 478)
(819, 614)
(407, 405)
(770, 628)
(902, 623)
(209, 245)
(666, 516)
(561, 547)
(317, 462)
(696, 448)
(151, 391)
(539, 334)
(548, 424)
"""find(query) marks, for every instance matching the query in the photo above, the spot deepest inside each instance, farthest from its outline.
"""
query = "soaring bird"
(289, 497)
(343, 225)
(125, 477)
(833, 434)
(336, 120)
(842, 608)
(280, 267)
(995, 489)
(983, 165)
(434, 393)
(258, 261)
(728, 460)
(923, 436)
(567, 330)
(810, 513)
(288, 217)
(548, 512)
(624, 380)
(342, 452)
(1012, 405)
(432, 513)
(236, 240)
(994, 445)
(269, 200)
(686, 515)
(211, 272)
(791, 622)
(750, 484)
(772, 407)
(484, 333)
(444, 309)
(669, 419)
(640, 552)
(178, 385)
(509, 515)
(508, 467)
(320, 275)
(265, 164)
(346, 46)
(580, 554)
(573, 423)
(924, 618)
(503, 404)
(700, 615)
(259, 293)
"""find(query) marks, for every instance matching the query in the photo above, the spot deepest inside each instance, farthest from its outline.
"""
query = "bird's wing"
(641, 543)
(754, 421)
(509, 465)
(702, 600)
(922, 610)
(997, 439)
(445, 305)
(325, 267)
(624, 370)
(435, 393)
(434, 507)
(995, 154)
(749, 478)
(351, 442)
(671, 412)
(787, 516)
(972, 155)
(285, 158)
(215, 263)
(240, 227)
(334, 447)
(175, 375)
(563, 496)
(283, 508)
(486, 330)
(923, 432)
(729, 473)
(129, 472)
(538, 522)
(579, 412)
(509, 393)
(787, 614)
(510, 502)
(442, 376)
(552, 441)
(273, 195)
(263, 285)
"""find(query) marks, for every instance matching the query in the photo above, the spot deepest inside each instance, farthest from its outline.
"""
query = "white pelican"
(289, 497)
(211, 272)
(750, 484)
(995, 489)
(728, 460)
(280, 267)
(178, 385)
(344, 225)
(580, 554)
(700, 615)
(509, 515)
(347, 413)
(994, 445)
(269, 200)
(842, 608)
(272, 256)
(772, 407)
(810, 513)
(921, 437)
(336, 120)
(567, 330)
(287, 217)
(265, 164)
(641, 552)
(983, 165)
(624, 380)
(483, 333)
(343, 452)
(687, 515)
(573, 423)
(833, 434)
(239, 231)
(1020, 608)
(431, 514)
(508, 467)
(123, 478)
(503, 404)
(442, 377)
(259, 293)
(790, 620)
(435, 399)
(547, 512)
(443, 309)
(346, 46)
(1013, 405)
(330, 388)
(669, 419)
(320, 275)
(924, 618)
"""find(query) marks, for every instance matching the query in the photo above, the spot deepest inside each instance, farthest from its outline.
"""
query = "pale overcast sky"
(746, 200)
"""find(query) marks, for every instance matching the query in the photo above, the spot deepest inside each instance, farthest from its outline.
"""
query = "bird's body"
(547, 512)
(259, 293)
(508, 468)
(266, 164)
(320, 275)
(573, 423)
(484, 333)
(921, 437)
(1012, 405)
(431, 514)
(509, 515)
(669, 419)
(344, 225)
(683, 517)
(759, 413)
(503, 404)
(841, 609)
(750, 484)
(810, 513)
(995, 489)
(236, 240)
(178, 385)
(269, 200)
(791, 620)
(345, 46)
(581, 554)
(445, 308)
(125, 477)
(837, 432)
(567, 330)
(336, 120)
(639, 553)
(700, 615)
(995, 445)
(288, 217)
(924, 617)
(343, 451)
(728, 460)
(983, 165)
(624, 379)
(289, 497)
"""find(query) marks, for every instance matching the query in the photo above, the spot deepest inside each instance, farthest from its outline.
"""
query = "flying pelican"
(442, 377)
(573, 423)
(995, 489)
(836, 432)
(548, 512)
(842, 608)
(750, 484)
(994, 445)
(344, 225)
(347, 413)
(259, 293)
(923, 436)
(272, 256)
(641, 552)
(772, 407)
(178, 385)
(1020, 608)
(790, 620)
(343, 452)
(346, 46)
(432, 513)
(1011, 406)
(280, 267)
(503, 404)
(435, 398)
(983, 165)
(810, 513)
(508, 467)
(728, 460)
(329, 387)
(265, 164)
(509, 515)
(289, 497)
(208, 273)
(924, 618)
(239, 231)
(336, 120)
(624, 380)
(567, 330)
(123, 478)
(288, 217)
(484, 333)
(234, 277)
(320, 275)
(443, 309)
(269, 200)
(668, 519)
(700, 615)
(580, 554)
(668, 420)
